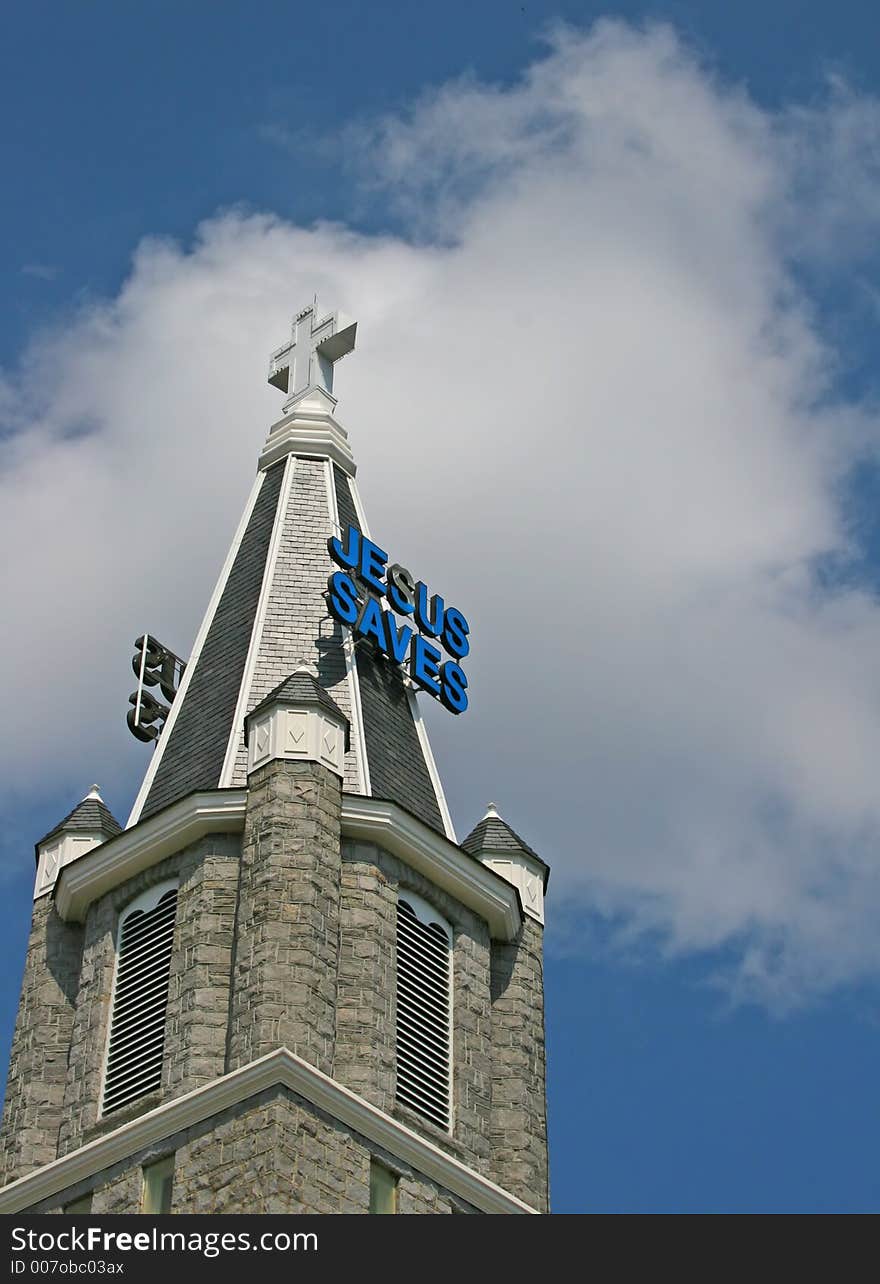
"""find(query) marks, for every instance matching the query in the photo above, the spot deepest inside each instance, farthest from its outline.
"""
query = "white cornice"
(290, 1071)
(136, 849)
(374, 820)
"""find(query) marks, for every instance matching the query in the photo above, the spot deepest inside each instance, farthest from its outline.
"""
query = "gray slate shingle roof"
(494, 834)
(301, 687)
(194, 754)
(87, 816)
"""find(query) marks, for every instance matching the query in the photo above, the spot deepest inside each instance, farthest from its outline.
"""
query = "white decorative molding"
(524, 873)
(290, 1071)
(60, 851)
(422, 733)
(310, 430)
(144, 845)
(356, 722)
(307, 734)
(236, 733)
(371, 820)
(375, 820)
(363, 524)
(150, 776)
(356, 713)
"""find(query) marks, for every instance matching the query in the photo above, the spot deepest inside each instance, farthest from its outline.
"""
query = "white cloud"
(591, 404)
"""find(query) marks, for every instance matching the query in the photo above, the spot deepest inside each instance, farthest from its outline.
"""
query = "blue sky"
(686, 219)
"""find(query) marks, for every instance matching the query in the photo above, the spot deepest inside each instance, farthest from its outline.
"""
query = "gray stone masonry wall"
(287, 931)
(201, 966)
(519, 1106)
(282, 938)
(272, 1154)
(38, 1063)
(365, 1014)
(198, 1000)
(364, 1058)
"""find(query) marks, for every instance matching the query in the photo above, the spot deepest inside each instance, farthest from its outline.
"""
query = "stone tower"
(284, 986)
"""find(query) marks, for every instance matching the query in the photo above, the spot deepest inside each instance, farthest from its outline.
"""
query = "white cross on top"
(306, 360)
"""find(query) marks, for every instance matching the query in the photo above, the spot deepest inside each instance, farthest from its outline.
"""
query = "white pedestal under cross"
(306, 361)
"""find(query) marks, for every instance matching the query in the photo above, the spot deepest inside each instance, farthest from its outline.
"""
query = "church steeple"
(268, 614)
(286, 953)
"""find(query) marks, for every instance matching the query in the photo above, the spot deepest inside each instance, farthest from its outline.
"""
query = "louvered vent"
(140, 999)
(423, 1012)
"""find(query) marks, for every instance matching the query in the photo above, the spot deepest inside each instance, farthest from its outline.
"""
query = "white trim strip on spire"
(422, 732)
(357, 714)
(330, 488)
(236, 731)
(147, 785)
(358, 738)
(359, 508)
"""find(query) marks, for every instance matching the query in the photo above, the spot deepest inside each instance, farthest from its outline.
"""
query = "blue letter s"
(452, 687)
(342, 597)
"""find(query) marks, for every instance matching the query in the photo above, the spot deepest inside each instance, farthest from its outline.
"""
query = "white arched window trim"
(424, 1031)
(139, 998)
(425, 912)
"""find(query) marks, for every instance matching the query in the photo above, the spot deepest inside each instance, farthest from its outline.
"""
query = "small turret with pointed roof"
(298, 720)
(89, 824)
(301, 688)
(89, 815)
(495, 844)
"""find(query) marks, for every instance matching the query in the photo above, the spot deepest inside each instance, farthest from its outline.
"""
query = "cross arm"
(341, 342)
(279, 368)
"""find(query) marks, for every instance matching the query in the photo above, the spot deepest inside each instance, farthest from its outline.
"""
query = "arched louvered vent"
(424, 1032)
(140, 997)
